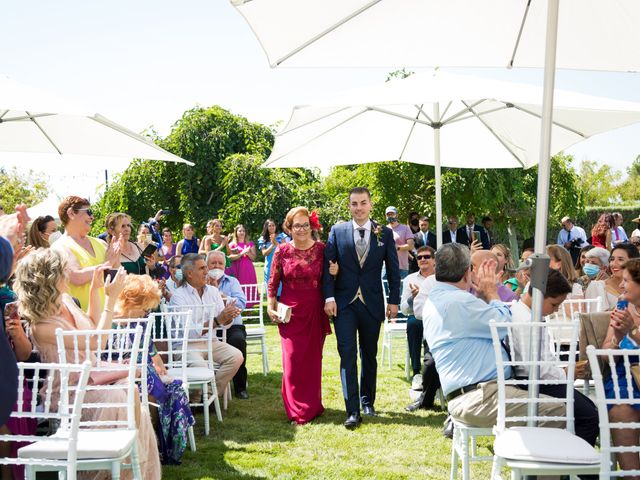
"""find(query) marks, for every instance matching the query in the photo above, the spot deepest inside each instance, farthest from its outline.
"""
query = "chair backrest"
(52, 392)
(568, 312)
(170, 330)
(593, 331)
(110, 353)
(518, 335)
(145, 351)
(624, 375)
(253, 315)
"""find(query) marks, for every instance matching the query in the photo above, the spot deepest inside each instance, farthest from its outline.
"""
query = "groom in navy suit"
(355, 298)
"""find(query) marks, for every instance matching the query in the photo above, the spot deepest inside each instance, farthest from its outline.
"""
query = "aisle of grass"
(255, 440)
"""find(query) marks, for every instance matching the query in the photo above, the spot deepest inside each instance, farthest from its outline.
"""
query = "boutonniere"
(377, 231)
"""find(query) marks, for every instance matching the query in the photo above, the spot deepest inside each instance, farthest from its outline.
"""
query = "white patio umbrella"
(593, 34)
(33, 122)
(441, 119)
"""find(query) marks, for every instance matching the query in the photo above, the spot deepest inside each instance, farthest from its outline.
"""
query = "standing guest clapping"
(299, 265)
(189, 243)
(215, 239)
(83, 253)
(268, 242)
(242, 253)
(131, 253)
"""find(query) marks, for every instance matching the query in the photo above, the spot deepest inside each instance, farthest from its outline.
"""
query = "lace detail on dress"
(300, 269)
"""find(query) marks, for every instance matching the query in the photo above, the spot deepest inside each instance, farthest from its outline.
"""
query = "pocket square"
(381, 244)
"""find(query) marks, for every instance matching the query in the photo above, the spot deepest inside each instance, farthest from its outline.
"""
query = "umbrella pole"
(542, 205)
(436, 156)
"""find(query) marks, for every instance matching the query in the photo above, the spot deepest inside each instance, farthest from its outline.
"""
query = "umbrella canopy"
(33, 122)
(47, 207)
(443, 120)
(592, 34)
(483, 123)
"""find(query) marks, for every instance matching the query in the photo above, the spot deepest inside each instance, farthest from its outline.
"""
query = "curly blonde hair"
(140, 292)
(37, 278)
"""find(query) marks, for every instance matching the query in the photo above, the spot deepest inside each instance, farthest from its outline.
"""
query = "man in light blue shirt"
(456, 327)
(572, 237)
(230, 288)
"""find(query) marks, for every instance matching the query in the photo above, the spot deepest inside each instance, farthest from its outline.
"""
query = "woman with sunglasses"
(425, 257)
(83, 253)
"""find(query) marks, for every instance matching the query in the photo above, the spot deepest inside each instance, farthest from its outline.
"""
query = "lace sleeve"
(276, 273)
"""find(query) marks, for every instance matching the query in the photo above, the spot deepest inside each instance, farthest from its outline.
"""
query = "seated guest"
(193, 290)
(415, 291)
(609, 290)
(456, 326)
(623, 333)
(230, 288)
(585, 411)
(561, 261)
(40, 230)
(505, 262)
(411, 286)
(596, 266)
(175, 277)
(41, 285)
(582, 259)
(139, 296)
(83, 253)
(477, 259)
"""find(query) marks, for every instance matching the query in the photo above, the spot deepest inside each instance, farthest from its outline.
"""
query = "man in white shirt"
(208, 311)
(572, 237)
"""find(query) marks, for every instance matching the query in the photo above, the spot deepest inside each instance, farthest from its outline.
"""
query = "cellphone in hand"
(11, 311)
(165, 212)
(149, 250)
(110, 272)
(622, 304)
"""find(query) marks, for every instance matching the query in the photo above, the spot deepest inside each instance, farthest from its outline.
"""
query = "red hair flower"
(314, 222)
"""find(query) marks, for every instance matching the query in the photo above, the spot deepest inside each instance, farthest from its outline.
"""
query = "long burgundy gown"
(302, 339)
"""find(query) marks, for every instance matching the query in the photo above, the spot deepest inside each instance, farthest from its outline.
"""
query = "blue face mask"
(591, 270)
(178, 274)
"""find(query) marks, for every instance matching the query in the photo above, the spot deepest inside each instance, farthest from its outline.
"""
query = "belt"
(461, 391)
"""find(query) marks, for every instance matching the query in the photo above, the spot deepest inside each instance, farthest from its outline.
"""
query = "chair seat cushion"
(194, 374)
(544, 445)
(95, 443)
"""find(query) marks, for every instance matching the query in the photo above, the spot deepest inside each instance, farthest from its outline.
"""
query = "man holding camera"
(572, 237)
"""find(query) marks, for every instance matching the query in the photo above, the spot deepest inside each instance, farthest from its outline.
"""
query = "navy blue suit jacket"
(462, 237)
(341, 248)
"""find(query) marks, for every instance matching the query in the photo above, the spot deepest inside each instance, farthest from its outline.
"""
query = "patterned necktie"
(361, 244)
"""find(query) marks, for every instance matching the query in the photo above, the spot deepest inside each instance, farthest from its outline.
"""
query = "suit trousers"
(237, 337)
(414, 340)
(430, 378)
(354, 323)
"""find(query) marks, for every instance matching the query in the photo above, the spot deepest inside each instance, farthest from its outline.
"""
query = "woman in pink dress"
(242, 253)
(298, 265)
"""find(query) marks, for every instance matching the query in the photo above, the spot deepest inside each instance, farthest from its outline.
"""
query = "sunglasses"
(88, 210)
(424, 257)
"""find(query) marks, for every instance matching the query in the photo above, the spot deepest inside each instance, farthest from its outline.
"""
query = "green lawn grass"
(255, 440)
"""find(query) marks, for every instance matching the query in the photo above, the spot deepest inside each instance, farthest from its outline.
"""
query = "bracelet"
(106, 310)
(614, 342)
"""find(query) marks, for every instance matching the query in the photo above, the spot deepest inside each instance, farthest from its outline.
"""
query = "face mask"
(392, 219)
(216, 273)
(54, 236)
(415, 222)
(178, 275)
(591, 270)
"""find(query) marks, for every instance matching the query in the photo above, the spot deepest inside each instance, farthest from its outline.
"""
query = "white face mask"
(54, 236)
(216, 273)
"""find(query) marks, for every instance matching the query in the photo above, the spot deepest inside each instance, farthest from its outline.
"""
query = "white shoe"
(416, 383)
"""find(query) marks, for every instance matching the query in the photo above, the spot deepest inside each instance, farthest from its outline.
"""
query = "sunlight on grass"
(255, 440)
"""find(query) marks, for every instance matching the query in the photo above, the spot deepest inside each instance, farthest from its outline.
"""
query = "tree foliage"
(16, 188)
(599, 183)
(205, 136)
(631, 186)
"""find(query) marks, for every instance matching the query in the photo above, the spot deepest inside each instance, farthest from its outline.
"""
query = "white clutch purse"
(284, 312)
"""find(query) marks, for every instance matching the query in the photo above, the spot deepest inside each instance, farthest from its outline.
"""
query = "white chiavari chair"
(253, 320)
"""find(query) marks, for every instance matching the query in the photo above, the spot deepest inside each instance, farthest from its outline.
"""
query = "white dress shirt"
(206, 307)
(418, 302)
(356, 233)
(407, 300)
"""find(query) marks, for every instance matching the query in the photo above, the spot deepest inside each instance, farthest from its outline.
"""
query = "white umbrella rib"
(400, 115)
(413, 126)
(495, 135)
(325, 32)
(557, 124)
(515, 47)
(35, 122)
(314, 120)
(364, 110)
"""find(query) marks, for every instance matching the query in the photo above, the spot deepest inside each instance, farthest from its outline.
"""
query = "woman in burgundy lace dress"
(298, 265)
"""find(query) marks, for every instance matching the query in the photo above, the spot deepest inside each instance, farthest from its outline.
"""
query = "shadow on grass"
(433, 419)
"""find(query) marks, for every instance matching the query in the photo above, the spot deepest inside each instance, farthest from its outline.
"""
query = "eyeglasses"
(304, 226)
(424, 257)
(88, 210)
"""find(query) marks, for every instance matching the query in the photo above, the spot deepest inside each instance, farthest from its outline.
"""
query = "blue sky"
(143, 63)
